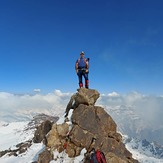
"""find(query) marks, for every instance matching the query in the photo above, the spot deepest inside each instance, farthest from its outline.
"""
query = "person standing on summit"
(82, 67)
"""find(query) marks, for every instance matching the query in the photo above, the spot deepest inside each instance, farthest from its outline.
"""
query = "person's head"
(82, 54)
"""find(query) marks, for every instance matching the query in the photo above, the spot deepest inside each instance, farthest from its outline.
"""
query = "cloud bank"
(134, 113)
(147, 107)
(15, 107)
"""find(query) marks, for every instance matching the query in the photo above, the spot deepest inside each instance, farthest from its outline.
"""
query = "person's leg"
(86, 80)
(80, 79)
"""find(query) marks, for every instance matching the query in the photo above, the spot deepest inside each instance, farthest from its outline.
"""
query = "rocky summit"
(89, 126)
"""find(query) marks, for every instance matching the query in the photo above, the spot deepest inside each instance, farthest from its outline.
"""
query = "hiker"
(82, 67)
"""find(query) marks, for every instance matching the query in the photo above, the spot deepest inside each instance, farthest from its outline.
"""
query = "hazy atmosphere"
(149, 108)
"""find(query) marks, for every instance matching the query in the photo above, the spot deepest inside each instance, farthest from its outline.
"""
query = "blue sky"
(41, 40)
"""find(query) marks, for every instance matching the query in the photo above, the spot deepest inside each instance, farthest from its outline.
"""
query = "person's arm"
(76, 67)
(87, 66)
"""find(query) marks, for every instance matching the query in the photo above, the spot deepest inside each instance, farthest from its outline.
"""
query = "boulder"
(83, 96)
(45, 157)
(56, 136)
(41, 131)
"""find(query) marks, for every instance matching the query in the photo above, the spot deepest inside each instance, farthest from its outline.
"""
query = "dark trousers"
(81, 74)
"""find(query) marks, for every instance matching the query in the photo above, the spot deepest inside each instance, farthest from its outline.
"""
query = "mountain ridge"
(88, 106)
(88, 127)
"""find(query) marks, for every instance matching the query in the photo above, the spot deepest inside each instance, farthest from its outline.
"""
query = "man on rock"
(82, 67)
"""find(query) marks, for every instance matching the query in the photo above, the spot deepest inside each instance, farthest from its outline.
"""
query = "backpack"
(97, 157)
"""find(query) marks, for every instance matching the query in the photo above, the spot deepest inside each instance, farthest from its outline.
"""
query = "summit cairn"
(86, 127)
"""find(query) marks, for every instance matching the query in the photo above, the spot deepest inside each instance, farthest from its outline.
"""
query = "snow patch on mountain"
(16, 132)
(30, 155)
(144, 151)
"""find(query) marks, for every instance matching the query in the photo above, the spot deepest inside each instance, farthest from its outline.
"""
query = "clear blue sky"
(41, 40)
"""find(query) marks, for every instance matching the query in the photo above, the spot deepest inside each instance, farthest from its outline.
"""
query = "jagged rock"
(24, 146)
(53, 137)
(92, 127)
(20, 148)
(41, 131)
(72, 150)
(45, 157)
(83, 96)
(114, 159)
(38, 119)
(80, 137)
(93, 119)
(86, 96)
(57, 133)
(3, 153)
(62, 129)
(93, 123)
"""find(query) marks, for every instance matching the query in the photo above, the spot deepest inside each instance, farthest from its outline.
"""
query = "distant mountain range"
(133, 124)
(144, 147)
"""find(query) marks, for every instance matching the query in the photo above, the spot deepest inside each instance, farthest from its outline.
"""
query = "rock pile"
(88, 127)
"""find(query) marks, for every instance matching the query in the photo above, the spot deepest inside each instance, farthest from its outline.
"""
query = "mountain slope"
(20, 132)
(17, 132)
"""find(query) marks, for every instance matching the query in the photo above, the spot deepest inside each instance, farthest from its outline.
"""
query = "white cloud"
(37, 90)
(59, 93)
(113, 94)
(148, 107)
(12, 105)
